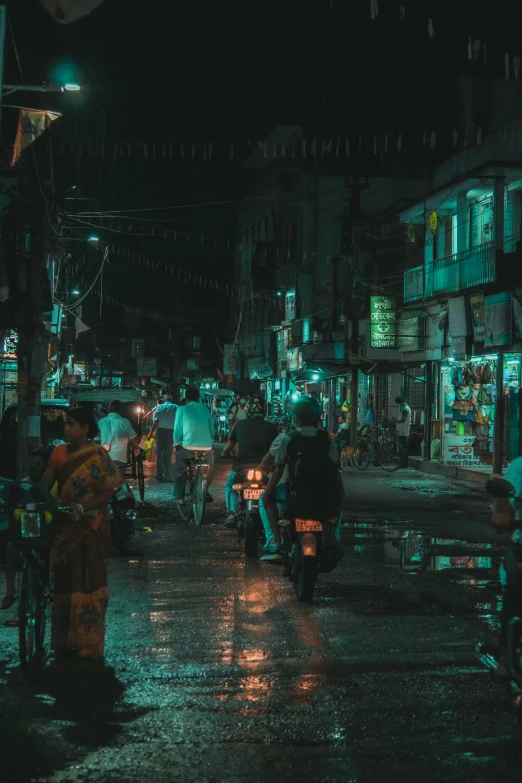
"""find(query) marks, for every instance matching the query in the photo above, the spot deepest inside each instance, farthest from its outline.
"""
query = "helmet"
(307, 409)
(256, 408)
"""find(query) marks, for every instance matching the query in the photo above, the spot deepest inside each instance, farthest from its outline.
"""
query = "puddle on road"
(428, 489)
(411, 550)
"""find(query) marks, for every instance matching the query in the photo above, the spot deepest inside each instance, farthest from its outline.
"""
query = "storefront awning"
(381, 366)
(315, 372)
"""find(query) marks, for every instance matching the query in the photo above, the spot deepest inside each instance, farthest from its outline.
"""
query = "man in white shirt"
(403, 428)
(193, 431)
(163, 428)
(117, 432)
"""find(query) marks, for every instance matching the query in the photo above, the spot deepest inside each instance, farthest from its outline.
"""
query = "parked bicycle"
(31, 522)
(137, 471)
(196, 487)
(382, 449)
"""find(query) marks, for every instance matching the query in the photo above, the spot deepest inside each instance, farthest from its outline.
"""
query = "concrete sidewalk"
(462, 474)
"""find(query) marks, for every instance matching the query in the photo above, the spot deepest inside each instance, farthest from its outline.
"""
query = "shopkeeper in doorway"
(403, 428)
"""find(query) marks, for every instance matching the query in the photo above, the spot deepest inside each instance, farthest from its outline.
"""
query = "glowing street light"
(49, 87)
(94, 238)
(75, 292)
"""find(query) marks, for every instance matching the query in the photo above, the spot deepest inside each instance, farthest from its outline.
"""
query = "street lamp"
(94, 238)
(75, 292)
(7, 89)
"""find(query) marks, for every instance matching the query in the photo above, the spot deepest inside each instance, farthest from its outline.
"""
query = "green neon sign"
(383, 322)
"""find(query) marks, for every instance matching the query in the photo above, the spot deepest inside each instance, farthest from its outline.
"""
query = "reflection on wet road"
(216, 673)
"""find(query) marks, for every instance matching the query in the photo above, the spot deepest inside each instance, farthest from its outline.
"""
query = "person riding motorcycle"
(238, 410)
(252, 437)
(278, 495)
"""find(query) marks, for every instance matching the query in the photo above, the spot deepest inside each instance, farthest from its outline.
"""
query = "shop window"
(468, 399)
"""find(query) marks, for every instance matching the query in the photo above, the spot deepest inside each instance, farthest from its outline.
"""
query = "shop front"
(468, 400)
(329, 384)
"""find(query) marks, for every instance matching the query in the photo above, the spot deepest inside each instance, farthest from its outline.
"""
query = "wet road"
(215, 672)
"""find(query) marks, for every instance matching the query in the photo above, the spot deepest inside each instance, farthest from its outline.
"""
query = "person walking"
(403, 428)
(87, 479)
(117, 432)
(163, 428)
(193, 431)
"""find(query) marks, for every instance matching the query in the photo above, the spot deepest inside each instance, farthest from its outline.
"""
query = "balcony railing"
(472, 267)
(414, 284)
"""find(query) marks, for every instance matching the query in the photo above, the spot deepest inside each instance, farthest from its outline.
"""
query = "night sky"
(198, 70)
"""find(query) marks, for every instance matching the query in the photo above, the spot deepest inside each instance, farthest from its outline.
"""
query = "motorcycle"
(249, 488)
(308, 548)
(506, 661)
(222, 428)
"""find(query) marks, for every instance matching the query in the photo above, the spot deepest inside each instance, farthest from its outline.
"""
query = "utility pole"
(428, 391)
(498, 442)
(355, 210)
(32, 342)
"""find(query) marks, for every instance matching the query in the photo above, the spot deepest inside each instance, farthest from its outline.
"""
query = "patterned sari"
(79, 554)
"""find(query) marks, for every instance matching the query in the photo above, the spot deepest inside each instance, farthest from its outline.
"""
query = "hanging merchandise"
(464, 407)
(470, 376)
(457, 377)
(468, 396)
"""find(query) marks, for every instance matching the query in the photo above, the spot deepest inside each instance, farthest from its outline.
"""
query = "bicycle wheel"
(32, 616)
(198, 503)
(390, 456)
(141, 478)
(362, 454)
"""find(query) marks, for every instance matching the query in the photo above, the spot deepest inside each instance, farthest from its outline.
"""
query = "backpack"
(314, 491)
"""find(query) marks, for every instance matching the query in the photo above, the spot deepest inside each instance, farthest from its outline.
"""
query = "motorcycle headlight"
(222, 418)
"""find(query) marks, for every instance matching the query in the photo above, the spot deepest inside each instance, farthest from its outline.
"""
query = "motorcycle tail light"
(258, 475)
(250, 475)
(309, 545)
(236, 486)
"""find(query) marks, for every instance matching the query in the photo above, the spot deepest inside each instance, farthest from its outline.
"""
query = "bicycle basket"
(31, 516)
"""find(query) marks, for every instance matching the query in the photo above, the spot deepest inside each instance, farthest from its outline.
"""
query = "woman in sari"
(87, 479)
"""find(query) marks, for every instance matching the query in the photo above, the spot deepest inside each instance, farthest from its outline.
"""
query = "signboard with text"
(383, 322)
(458, 451)
(230, 360)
